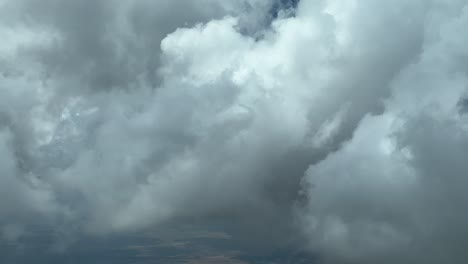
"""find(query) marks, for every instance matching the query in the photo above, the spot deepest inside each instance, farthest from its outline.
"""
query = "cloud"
(393, 193)
(327, 121)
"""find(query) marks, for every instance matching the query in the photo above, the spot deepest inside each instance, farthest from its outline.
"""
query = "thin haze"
(335, 127)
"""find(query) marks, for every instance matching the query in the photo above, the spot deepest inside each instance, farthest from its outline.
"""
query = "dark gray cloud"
(333, 127)
(102, 45)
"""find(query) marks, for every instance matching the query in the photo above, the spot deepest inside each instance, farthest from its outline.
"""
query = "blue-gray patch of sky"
(281, 5)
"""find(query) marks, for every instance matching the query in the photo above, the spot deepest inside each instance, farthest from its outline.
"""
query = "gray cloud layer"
(338, 125)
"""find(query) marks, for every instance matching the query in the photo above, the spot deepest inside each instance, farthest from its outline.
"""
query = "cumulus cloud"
(394, 193)
(340, 126)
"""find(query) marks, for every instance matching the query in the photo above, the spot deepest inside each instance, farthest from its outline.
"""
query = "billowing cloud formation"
(395, 192)
(340, 123)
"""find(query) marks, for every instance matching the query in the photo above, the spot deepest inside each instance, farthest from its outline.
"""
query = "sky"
(335, 128)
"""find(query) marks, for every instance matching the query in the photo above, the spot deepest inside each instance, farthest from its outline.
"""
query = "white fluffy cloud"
(394, 192)
(343, 124)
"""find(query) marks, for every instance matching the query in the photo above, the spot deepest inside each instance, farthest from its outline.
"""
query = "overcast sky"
(337, 127)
